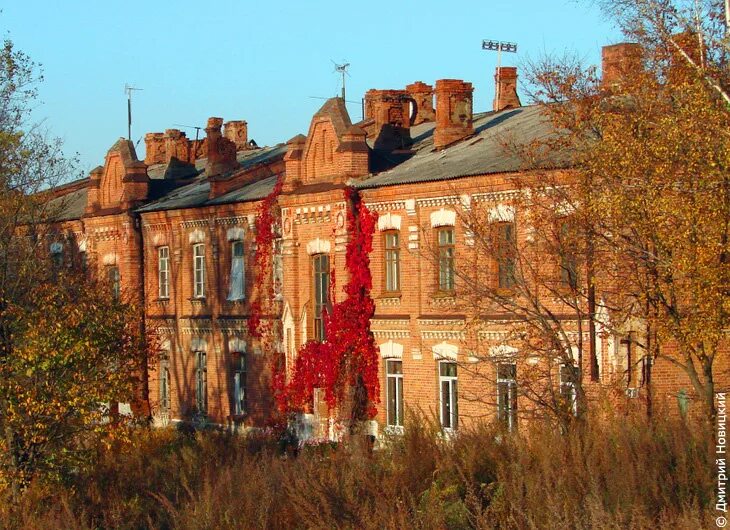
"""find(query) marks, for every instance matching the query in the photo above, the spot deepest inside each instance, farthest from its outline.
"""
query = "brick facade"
(164, 229)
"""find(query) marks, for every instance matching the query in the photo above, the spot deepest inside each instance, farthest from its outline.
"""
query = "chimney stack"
(154, 148)
(505, 89)
(453, 112)
(422, 96)
(618, 61)
(390, 110)
(237, 132)
(221, 150)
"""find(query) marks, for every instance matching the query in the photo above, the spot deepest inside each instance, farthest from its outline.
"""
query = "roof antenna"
(342, 68)
(197, 129)
(128, 90)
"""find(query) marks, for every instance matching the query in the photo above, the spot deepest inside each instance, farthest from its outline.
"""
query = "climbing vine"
(345, 365)
(265, 224)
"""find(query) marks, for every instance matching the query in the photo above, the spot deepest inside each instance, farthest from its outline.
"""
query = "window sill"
(505, 291)
(444, 295)
(198, 301)
(394, 430)
(236, 301)
(389, 295)
(163, 301)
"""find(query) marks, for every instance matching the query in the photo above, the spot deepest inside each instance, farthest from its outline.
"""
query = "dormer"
(122, 183)
(333, 151)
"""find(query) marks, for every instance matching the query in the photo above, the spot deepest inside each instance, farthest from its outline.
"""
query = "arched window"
(391, 240)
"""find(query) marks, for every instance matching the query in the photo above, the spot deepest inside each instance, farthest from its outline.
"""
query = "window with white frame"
(165, 384)
(236, 287)
(199, 270)
(394, 389)
(392, 260)
(201, 382)
(321, 267)
(569, 387)
(163, 272)
(446, 253)
(239, 383)
(507, 394)
(449, 395)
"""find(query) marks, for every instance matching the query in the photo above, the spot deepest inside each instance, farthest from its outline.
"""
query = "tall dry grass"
(619, 473)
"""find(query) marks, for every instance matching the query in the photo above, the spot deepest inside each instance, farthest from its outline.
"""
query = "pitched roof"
(196, 192)
(483, 153)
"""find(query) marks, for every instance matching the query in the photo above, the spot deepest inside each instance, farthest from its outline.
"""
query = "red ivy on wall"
(348, 359)
(265, 233)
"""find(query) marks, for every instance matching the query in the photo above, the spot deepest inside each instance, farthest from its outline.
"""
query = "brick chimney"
(154, 148)
(390, 110)
(679, 68)
(92, 199)
(293, 162)
(422, 96)
(221, 150)
(237, 132)
(505, 89)
(453, 112)
(353, 153)
(177, 145)
(618, 61)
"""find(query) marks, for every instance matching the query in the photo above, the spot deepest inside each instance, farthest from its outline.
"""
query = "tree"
(67, 346)
(650, 153)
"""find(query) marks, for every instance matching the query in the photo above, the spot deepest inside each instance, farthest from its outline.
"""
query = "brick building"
(177, 231)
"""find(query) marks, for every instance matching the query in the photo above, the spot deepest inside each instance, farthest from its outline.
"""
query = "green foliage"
(75, 351)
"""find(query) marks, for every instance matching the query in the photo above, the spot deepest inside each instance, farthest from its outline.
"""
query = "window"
(568, 262)
(237, 281)
(568, 387)
(112, 274)
(163, 272)
(201, 382)
(239, 383)
(83, 261)
(507, 394)
(199, 270)
(394, 389)
(446, 259)
(57, 255)
(392, 261)
(321, 263)
(449, 395)
(505, 255)
(165, 384)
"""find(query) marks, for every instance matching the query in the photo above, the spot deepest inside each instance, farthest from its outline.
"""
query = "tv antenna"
(197, 129)
(342, 69)
(499, 47)
(128, 90)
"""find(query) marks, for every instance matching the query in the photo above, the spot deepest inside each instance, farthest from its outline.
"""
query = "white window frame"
(397, 378)
(240, 293)
(453, 403)
(163, 272)
(391, 255)
(240, 369)
(199, 270)
(508, 414)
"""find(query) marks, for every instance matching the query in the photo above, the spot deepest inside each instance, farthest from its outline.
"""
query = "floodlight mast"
(499, 47)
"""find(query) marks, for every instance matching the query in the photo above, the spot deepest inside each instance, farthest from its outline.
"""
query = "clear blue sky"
(260, 61)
